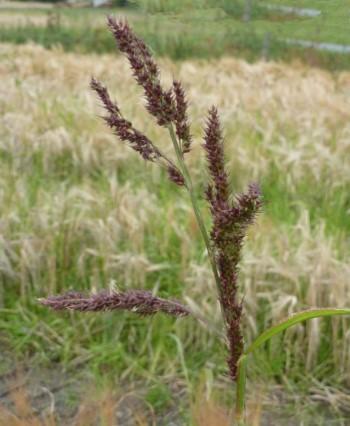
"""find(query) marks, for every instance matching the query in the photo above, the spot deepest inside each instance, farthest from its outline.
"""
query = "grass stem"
(240, 391)
(189, 186)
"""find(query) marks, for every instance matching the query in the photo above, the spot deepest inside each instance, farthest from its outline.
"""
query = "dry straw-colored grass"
(10, 19)
(107, 408)
(293, 119)
(94, 410)
(29, 5)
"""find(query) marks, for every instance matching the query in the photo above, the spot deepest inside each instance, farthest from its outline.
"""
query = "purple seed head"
(138, 301)
(159, 102)
(181, 117)
(230, 222)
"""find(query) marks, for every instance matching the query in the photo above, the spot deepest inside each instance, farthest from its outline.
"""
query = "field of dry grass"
(80, 210)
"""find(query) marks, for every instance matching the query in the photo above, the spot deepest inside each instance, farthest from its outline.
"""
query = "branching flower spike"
(126, 132)
(231, 214)
(230, 221)
(160, 102)
(138, 301)
(181, 119)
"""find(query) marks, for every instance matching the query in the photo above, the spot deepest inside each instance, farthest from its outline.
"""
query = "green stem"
(240, 390)
(189, 186)
(239, 416)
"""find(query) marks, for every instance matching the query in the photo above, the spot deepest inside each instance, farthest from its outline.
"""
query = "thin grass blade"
(294, 319)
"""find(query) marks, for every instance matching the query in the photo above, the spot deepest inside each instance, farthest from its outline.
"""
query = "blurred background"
(79, 210)
(312, 30)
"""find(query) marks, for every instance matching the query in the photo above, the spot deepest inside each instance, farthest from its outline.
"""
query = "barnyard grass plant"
(231, 214)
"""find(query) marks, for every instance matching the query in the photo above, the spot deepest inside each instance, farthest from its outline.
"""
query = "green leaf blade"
(293, 320)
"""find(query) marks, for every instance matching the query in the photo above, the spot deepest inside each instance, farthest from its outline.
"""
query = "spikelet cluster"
(230, 215)
(168, 107)
(230, 221)
(138, 301)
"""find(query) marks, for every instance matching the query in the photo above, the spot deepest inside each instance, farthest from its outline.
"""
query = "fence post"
(248, 5)
(266, 46)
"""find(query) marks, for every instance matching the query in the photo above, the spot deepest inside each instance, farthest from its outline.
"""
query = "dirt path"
(73, 398)
(298, 11)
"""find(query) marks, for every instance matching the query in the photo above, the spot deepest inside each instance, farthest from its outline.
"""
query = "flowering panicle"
(231, 215)
(181, 119)
(248, 204)
(176, 176)
(213, 145)
(230, 221)
(127, 133)
(138, 301)
(102, 92)
(122, 127)
(160, 102)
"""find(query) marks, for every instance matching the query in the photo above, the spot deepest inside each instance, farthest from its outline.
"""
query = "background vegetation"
(79, 210)
(175, 29)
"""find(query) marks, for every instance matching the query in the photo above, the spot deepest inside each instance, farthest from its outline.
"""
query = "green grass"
(129, 347)
(178, 32)
(63, 224)
(331, 26)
